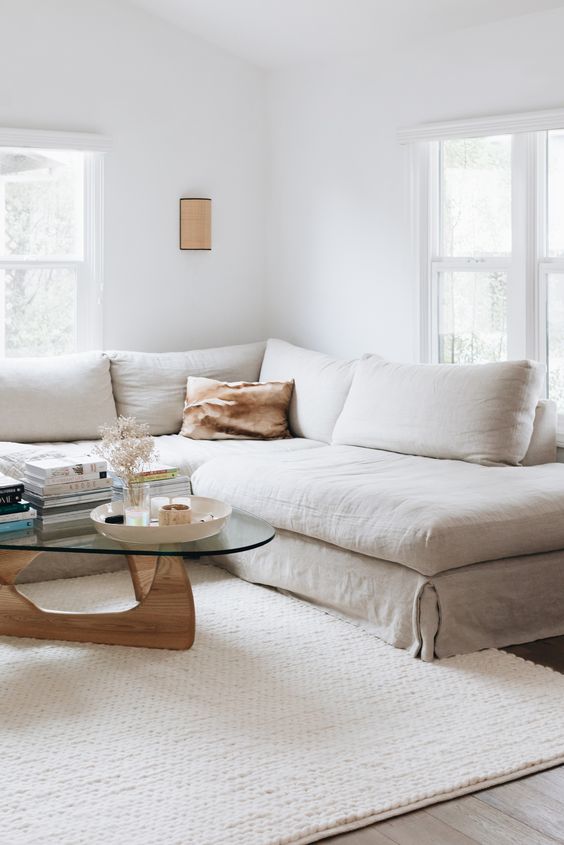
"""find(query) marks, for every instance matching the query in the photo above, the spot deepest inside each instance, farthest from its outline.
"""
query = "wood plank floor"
(529, 811)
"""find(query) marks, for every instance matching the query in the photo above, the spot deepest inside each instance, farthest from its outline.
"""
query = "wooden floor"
(529, 811)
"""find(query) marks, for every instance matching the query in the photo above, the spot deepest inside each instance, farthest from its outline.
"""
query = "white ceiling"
(275, 33)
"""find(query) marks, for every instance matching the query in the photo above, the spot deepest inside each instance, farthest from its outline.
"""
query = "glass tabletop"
(242, 532)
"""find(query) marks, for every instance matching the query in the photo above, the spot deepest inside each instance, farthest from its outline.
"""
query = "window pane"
(37, 311)
(555, 338)
(472, 317)
(476, 196)
(41, 201)
(556, 193)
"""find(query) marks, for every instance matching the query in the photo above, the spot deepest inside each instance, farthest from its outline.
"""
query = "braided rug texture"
(282, 725)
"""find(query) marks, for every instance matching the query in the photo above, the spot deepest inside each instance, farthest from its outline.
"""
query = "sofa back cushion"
(321, 385)
(151, 386)
(542, 447)
(67, 397)
(482, 413)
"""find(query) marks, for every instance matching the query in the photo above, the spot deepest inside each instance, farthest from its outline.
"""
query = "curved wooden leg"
(142, 569)
(12, 563)
(163, 618)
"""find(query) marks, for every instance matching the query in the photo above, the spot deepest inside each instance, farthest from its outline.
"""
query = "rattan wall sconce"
(195, 223)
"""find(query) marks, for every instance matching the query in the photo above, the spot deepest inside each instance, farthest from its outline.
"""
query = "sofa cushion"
(482, 413)
(542, 448)
(67, 397)
(321, 384)
(172, 449)
(189, 454)
(151, 386)
(13, 456)
(236, 410)
(426, 514)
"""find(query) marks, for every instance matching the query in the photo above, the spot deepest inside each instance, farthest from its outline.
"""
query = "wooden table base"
(163, 617)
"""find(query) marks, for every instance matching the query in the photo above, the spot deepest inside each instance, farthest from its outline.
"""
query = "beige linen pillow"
(59, 398)
(482, 413)
(151, 386)
(239, 410)
(321, 385)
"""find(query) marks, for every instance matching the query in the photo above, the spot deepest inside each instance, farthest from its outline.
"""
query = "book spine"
(70, 471)
(16, 525)
(18, 507)
(63, 509)
(16, 487)
(15, 517)
(94, 497)
(57, 520)
(70, 487)
(152, 473)
(148, 479)
(40, 481)
(10, 495)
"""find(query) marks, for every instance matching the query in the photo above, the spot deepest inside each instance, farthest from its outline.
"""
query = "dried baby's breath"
(128, 447)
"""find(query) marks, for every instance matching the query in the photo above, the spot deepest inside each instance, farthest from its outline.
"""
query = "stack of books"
(164, 481)
(62, 491)
(16, 514)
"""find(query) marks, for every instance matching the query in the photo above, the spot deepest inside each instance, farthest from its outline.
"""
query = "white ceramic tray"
(208, 518)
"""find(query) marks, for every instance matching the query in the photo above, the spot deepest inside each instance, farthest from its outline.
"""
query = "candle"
(136, 516)
(156, 504)
(175, 514)
(181, 500)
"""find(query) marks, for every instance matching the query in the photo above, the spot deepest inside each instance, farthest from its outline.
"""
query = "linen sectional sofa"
(436, 555)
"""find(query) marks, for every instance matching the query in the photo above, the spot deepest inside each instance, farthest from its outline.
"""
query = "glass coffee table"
(163, 616)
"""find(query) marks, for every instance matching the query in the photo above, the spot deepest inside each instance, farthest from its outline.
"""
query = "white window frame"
(529, 265)
(89, 268)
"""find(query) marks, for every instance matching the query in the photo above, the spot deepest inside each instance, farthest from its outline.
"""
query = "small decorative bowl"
(208, 518)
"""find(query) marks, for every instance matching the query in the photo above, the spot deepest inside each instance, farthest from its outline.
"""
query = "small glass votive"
(137, 504)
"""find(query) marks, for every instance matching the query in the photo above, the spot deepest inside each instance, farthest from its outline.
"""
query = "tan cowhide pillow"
(239, 410)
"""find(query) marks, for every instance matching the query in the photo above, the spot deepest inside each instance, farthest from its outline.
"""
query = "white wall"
(339, 276)
(186, 119)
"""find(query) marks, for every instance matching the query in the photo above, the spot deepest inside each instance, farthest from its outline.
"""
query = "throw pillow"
(239, 410)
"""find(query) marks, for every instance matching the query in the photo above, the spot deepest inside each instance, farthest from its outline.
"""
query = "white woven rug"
(281, 725)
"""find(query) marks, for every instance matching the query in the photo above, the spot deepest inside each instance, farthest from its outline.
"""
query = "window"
(488, 223)
(472, 260)
(50, 242)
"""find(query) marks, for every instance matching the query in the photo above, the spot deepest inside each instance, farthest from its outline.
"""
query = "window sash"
(77, 255)
(466, 265)
(89, 268)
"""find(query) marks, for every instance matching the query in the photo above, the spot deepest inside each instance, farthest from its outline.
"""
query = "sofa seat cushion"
(431, 515)
(188, 455)
(13, 456)
(172, 449)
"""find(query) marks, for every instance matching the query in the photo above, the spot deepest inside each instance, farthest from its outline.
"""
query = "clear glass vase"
(136, 504)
